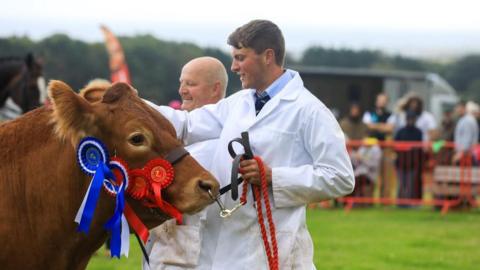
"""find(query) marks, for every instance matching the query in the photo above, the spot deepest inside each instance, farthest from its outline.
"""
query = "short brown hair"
(260, 35)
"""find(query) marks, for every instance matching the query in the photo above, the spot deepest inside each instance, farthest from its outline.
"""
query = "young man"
(203, 81)
(298, 139)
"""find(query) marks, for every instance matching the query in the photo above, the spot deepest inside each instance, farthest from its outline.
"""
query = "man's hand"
(251, 172)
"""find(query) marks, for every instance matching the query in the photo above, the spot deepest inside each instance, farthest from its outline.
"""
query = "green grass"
(379, 238)
(102, 261)
(394, 239)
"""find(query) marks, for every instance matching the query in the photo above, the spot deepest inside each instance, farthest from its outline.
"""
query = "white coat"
(298, 137)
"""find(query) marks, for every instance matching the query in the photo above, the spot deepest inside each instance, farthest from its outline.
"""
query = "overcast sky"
(421, 28)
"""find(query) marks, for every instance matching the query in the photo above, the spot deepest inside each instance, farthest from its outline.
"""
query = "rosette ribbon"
(87, 209)
(148, 183)
(93, 159)
(118, 226)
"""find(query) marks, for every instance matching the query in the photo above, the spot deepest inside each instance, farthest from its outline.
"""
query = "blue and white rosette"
(92, 156)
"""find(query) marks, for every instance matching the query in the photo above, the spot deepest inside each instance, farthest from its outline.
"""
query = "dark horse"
(22, 87)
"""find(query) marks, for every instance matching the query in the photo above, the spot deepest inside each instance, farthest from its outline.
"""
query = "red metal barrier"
(412, 174)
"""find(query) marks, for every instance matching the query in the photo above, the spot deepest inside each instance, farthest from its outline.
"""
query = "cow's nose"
(208, 184)
(205, 185)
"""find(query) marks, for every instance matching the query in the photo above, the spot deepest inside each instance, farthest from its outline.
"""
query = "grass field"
(381, 238)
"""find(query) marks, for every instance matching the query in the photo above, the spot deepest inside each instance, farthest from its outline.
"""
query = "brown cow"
(42, 186)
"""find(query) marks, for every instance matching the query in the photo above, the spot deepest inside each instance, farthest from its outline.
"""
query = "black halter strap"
(234, 181)
(176, 154)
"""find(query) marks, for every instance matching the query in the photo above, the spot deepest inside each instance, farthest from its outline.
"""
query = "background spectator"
(409, 160)
(425, 120)
(352, 125)
(366, 166)
(376, 118)
(447, 126)
(466, 132)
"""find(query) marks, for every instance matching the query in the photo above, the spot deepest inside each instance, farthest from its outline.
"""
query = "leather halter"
(176, 154)
(234, 181)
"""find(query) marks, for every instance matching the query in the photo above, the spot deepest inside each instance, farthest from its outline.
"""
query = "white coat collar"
(293, 87)
(290, 92)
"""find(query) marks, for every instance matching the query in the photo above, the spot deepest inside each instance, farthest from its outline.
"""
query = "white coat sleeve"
(201, 124)
(330, 174)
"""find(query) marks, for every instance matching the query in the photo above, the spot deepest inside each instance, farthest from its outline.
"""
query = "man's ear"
(269, 56)
(216, 91)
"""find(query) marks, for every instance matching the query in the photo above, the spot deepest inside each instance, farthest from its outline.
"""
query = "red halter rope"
(260, 193)
(271, 247)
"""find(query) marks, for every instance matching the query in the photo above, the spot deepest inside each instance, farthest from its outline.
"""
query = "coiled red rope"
(261, 192)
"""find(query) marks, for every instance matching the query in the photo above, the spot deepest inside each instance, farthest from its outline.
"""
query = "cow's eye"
(137, 139)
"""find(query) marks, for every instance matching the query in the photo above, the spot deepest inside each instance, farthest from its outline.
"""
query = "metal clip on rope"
(228, 212)
(224, 213)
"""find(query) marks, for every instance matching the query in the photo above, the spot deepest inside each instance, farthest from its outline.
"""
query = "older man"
(203, 81)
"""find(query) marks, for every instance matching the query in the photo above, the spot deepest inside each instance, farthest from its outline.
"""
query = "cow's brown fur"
(42, 186)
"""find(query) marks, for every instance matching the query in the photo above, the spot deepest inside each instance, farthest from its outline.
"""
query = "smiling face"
(197, 87)
(251, 67)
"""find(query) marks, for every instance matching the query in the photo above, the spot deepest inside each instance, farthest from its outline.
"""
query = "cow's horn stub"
(115, 92)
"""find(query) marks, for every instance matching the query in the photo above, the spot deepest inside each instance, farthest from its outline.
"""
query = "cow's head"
(133, 131)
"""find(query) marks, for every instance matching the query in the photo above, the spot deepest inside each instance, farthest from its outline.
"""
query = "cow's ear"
(72, 114)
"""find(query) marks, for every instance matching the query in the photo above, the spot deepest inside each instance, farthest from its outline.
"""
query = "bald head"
(203, 81)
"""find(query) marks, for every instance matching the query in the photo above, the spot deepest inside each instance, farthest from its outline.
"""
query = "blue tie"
(261, 99)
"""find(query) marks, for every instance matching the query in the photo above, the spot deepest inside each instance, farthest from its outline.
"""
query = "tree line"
(155, 64)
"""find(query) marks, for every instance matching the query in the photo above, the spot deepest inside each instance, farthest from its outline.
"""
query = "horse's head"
(136, 133)
(22, 81)
(35, 92)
